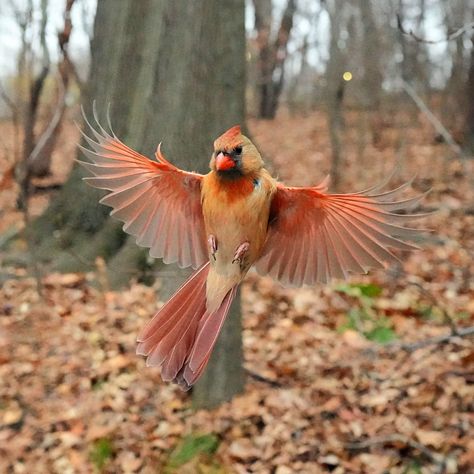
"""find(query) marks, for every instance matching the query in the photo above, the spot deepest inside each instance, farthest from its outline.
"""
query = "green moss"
(189, 448)
(102, 450)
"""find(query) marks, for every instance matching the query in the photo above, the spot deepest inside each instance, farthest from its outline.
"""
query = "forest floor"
(341, 389)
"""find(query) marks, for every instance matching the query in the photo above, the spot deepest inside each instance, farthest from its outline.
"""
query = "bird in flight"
(222, 223)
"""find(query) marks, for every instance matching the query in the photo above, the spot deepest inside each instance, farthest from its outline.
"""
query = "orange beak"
(224, 162)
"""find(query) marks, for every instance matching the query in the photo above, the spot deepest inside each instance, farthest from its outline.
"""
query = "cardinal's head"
(235, 155)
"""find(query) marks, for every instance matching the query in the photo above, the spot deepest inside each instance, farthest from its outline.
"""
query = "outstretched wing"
(314, 236)
(159, 204)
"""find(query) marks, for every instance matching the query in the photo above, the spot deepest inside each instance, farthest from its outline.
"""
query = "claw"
(240, 252)
(212, 242)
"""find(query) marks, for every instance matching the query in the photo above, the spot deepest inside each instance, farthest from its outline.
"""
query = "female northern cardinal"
(224, 222)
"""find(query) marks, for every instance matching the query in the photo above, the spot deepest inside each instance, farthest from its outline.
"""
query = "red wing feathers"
(314, 236)
(159, 204)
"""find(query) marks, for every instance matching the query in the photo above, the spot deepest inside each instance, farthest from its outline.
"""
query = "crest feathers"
(229, 138)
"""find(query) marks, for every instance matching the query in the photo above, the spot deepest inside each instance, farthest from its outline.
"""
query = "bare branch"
(439, 127)
(414, 346)
(450, 37)
(52, 125)
(434, 457)
(63, 39)
(446, 315)
(410, 347)
(15, 115)
(8, 100)
(261, 378)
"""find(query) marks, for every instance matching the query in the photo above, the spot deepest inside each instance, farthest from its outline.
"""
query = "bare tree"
(469, 127)
(335, 87)
(372, 55)
(33, 156)
(150, 64)
(272, 52)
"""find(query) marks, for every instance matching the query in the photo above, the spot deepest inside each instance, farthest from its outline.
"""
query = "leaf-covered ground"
(323, 393)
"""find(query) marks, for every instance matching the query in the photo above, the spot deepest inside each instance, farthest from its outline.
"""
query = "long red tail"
(181, 336)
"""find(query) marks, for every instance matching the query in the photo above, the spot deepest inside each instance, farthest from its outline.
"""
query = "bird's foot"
(240, 252)
(212, 242)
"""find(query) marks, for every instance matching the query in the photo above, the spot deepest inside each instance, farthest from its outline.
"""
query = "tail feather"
(166, 313)
(209, 329)
(168, 336)
(181, 336)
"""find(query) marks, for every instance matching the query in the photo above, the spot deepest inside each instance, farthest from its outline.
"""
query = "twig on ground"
(261, 378)
(433, 456)
(414, 346)
(448, 319)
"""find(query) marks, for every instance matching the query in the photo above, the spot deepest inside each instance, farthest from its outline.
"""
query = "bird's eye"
(238, 150)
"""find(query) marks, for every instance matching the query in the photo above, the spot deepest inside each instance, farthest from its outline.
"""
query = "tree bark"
(172, 71)
(372, 55)
(469, 127)
(272, 54)
(335, 91)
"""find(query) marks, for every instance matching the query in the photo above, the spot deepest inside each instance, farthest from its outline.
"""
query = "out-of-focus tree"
(335, 84)
(469, 127)
(171, 71)
(372, 55)
(414, 55)
(29, 90)
(272, 54)
(455, 14)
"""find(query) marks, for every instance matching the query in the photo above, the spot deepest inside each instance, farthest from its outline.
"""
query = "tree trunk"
(415, 64)
(372, 55)
(272, 54)
(335, 91)
(470, 111)
(172, 71)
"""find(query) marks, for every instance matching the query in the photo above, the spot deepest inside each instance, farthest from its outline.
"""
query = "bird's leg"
(240, 252)
(212, 242)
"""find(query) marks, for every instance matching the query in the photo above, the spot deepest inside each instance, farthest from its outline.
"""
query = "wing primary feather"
(156, 250)
(142, 221)
(96, 134)
(372, 203)
(335, 259)
(109, 123)
(370, 260)
(393, 192)
(104, 132)
(406, 232)
(327, 255)
(381, 236)
(292, 262)
(383, 183)
(321, 274)
(383, 255)
(172, 248)
(128, 205)
(312, 257)
(300, 266)
(351, 261)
